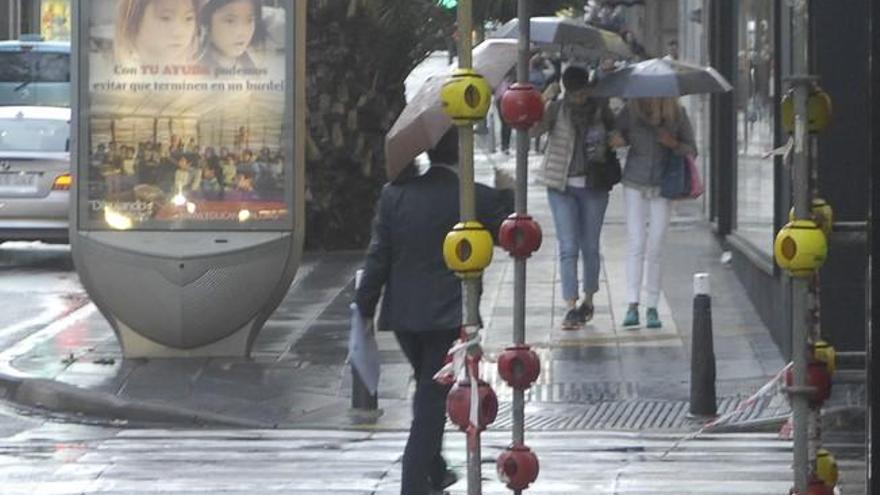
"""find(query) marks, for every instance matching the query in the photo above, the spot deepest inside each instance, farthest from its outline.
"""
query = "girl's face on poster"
(232, 27)
(167, 31)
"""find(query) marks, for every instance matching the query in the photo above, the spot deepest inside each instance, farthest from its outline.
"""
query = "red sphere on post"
(818, 377)
(817, 487)
(522, 106)
(520, 235)
(518, 467)
(519, 366)
(458, 405)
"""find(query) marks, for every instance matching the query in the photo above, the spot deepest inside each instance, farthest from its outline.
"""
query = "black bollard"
(703, 401)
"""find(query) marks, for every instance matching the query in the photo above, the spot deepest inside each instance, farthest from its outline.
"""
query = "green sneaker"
(652, 319)
(632, 318)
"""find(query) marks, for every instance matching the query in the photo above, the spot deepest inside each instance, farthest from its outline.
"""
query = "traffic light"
(448, 4)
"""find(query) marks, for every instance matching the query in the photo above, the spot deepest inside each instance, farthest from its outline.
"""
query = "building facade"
(748, 200)
(749, 193)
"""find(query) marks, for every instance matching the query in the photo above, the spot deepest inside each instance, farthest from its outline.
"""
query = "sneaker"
(573, 320)
(632, 318)
(652, 319)
(586, 312)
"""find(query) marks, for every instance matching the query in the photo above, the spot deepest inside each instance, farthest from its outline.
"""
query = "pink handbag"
(697, 188)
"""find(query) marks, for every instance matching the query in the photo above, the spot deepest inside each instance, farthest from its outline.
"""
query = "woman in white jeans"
(653, 127)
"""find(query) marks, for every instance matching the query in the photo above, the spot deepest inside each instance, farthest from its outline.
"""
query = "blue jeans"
(578, 214)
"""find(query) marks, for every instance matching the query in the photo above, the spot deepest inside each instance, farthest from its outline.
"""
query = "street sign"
(189, 145)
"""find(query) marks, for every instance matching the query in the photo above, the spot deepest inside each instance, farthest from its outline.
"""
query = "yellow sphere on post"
(822, 214)
(825, 353)
(467, 249)
(800, 248)
(466, 97)
(826, 468)
(818, 111)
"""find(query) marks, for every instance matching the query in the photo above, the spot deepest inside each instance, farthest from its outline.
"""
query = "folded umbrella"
(363, 350)
(661, 77)
(423, 122)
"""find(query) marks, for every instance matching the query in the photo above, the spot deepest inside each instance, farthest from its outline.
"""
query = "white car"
(35, 175)
(34, 139)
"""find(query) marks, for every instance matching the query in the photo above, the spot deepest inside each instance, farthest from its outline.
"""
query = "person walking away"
(506, 130)
(653, 128)
(579, 169)
(422, 298)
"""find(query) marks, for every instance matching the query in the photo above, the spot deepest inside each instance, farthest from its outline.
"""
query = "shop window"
(755, 118)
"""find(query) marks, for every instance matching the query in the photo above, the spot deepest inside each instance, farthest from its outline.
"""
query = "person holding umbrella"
(579, 169)
(654, 128)
(422, 300)
(655, 125)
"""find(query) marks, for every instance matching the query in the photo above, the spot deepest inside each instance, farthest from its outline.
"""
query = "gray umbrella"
(661, 77)
(569, 36)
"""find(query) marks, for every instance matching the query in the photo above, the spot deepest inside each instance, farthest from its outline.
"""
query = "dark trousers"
(506, 130)
(423, 463)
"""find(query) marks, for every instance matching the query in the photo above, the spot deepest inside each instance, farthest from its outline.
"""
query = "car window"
(34, 135)
(34, 67)
(35, 78)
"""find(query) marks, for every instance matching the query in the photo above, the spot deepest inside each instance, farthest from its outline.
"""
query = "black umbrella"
(569, 36)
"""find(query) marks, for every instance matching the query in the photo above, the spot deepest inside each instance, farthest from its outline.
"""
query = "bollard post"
(703, 401)
(361, 398)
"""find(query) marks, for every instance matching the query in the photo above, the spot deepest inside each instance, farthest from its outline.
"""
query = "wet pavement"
(608, 406)
(609, 402)
(297, 375)
(55, 459)
(37, 286)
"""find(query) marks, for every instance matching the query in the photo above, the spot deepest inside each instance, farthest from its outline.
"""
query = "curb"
(43, 394)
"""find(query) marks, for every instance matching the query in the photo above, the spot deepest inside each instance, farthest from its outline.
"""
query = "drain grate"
(583, 393)
(628, 415)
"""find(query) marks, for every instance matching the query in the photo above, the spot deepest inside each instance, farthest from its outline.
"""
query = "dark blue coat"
(406, 251)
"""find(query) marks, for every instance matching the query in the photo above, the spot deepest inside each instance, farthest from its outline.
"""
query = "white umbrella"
(423, 121)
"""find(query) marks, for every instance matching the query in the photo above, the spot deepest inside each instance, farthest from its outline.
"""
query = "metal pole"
(14, 20)
(467, 188)
(521, 205)
(800, 286)
(470, 287)
(872, 441)
(814, 328)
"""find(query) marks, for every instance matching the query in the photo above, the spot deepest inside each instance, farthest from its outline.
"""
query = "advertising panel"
(186, 116)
